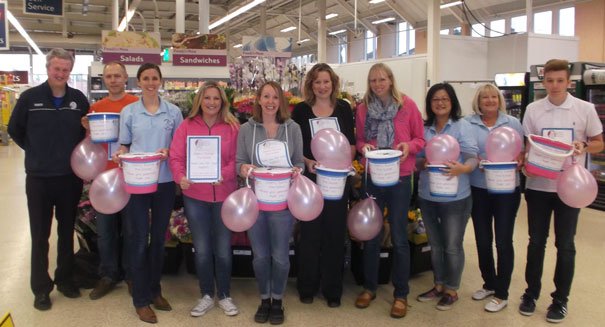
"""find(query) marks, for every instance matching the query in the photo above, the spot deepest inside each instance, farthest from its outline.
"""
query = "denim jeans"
(112, 232)
(495, 213)
(396, 198)
(212, 243)
(147, 238)
(270, 240)
(540, 206)
(445, 224)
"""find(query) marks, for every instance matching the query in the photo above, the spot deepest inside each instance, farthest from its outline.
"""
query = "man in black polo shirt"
(46, 124)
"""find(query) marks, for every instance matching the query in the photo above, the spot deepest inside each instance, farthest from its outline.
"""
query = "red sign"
(15, 76)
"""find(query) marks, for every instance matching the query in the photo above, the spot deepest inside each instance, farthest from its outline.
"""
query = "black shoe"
(262, 313)
(334, 303)
(527, 306)
(556, 312)
(276, 316)
(69, 290)
(306, 299)
(42, 302)
(104, 286)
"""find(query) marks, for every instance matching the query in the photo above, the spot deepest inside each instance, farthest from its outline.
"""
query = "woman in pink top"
(209, 115)
(389, 119)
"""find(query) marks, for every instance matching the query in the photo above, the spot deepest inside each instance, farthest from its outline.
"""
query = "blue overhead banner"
(43, 7)
(3, 27)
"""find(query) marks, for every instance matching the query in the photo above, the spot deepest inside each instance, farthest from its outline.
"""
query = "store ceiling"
(83, 31)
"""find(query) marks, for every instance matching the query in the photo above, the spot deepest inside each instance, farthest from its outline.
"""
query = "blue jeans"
(148, 235)
(540, 207)
(108, 242)
(270, 240)
(397, 200)
(212, 243)
(445, 224)
(495, 213)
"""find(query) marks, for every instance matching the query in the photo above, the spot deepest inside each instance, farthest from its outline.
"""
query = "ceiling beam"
(400, 12)
(363, 22)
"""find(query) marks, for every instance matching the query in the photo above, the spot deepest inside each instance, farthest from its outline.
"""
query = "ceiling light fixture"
(239, 45)
(337, 32)
(23, 33)
(303, 41)
(451, 4)
(288, 29)
(330, 16)
(375, 1)
(235, 13)
(384, 20)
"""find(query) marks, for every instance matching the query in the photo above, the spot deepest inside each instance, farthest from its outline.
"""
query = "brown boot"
(160, 303)
(146, 314)
(399, 308)
(364, 299)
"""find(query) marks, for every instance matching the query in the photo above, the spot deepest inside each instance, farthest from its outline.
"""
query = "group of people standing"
(47, 120)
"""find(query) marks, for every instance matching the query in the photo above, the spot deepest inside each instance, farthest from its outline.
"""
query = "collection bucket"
(440, 184)
(104, 127)
(501, 177)
(546, 157)
(271, 187)
(141, 172)
(332, 182)
(384, 166)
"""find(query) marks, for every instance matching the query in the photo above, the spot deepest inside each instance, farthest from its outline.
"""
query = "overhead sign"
(131, 48)
(3, 27)
(14, 77)
(199, 50)
(43, 7)
(267, 46)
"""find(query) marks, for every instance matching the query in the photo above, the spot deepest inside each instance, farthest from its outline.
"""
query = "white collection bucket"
(501, 177)
(104, 127)
(331, 182)
(384, 166)
(271, 187)
(440, 184)
(141, 172)
(546, 157)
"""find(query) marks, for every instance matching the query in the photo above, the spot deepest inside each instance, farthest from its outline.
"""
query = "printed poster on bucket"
(131, 48)
(267, 46)
(199, 50)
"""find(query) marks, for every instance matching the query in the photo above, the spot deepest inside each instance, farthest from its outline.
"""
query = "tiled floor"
(181, 290)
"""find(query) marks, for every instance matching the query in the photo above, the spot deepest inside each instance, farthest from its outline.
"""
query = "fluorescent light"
(376, 1)
(337, 32)
(126, 20)
(451, 4)
(384, 20)
(332, 15)
(303, 41)
(235, 13)
(239, 45)
(22, 31)
(288, 29)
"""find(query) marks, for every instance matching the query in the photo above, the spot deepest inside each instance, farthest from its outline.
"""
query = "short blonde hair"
(488, 88)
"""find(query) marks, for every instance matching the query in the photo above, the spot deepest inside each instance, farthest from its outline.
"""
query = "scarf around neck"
(379, 122)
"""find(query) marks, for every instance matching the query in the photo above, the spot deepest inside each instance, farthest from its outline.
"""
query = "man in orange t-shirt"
(108, 226)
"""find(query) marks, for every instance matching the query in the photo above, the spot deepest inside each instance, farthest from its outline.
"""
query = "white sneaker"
(203, 305)
(228, 306)
(482, 294)
(495, 305)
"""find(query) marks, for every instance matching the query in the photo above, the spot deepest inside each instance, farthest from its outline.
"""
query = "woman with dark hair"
(148, 125)
(203, 201)
(445, 216)
(321, 246)
(389, 119)
(270, 135)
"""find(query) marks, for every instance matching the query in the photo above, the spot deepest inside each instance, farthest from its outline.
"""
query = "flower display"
(178, 226)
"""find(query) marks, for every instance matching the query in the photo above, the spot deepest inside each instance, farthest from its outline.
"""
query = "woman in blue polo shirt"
(148, 125)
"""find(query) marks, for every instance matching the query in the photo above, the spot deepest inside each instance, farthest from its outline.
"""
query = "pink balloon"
(577, 187)
(503, 144)
(88, 159)
(240, 210)
(331, 148)
(441, 149)
(108, 193)
(365, 220)
(305, 200)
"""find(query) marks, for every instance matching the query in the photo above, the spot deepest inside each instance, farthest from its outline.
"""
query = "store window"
(497, 27)
(342, 49)
(543, 22)
(445, 32)
(370, 45)
(457, 31)
(406, 39)
(567, 21)
(14, 62)
(478, 30)
(518, 24)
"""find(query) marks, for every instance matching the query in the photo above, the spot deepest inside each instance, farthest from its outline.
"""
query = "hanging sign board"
(3, 27)
(267, 46)
(199, 50)
(43, 7)
(131, 48)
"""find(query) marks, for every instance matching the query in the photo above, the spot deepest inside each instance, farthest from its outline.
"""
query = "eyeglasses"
(437, 100)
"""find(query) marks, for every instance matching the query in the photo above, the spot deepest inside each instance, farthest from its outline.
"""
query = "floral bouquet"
(178, 226)
(244, 104)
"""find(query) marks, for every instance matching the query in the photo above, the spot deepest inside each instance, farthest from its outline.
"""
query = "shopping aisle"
(181, 290)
